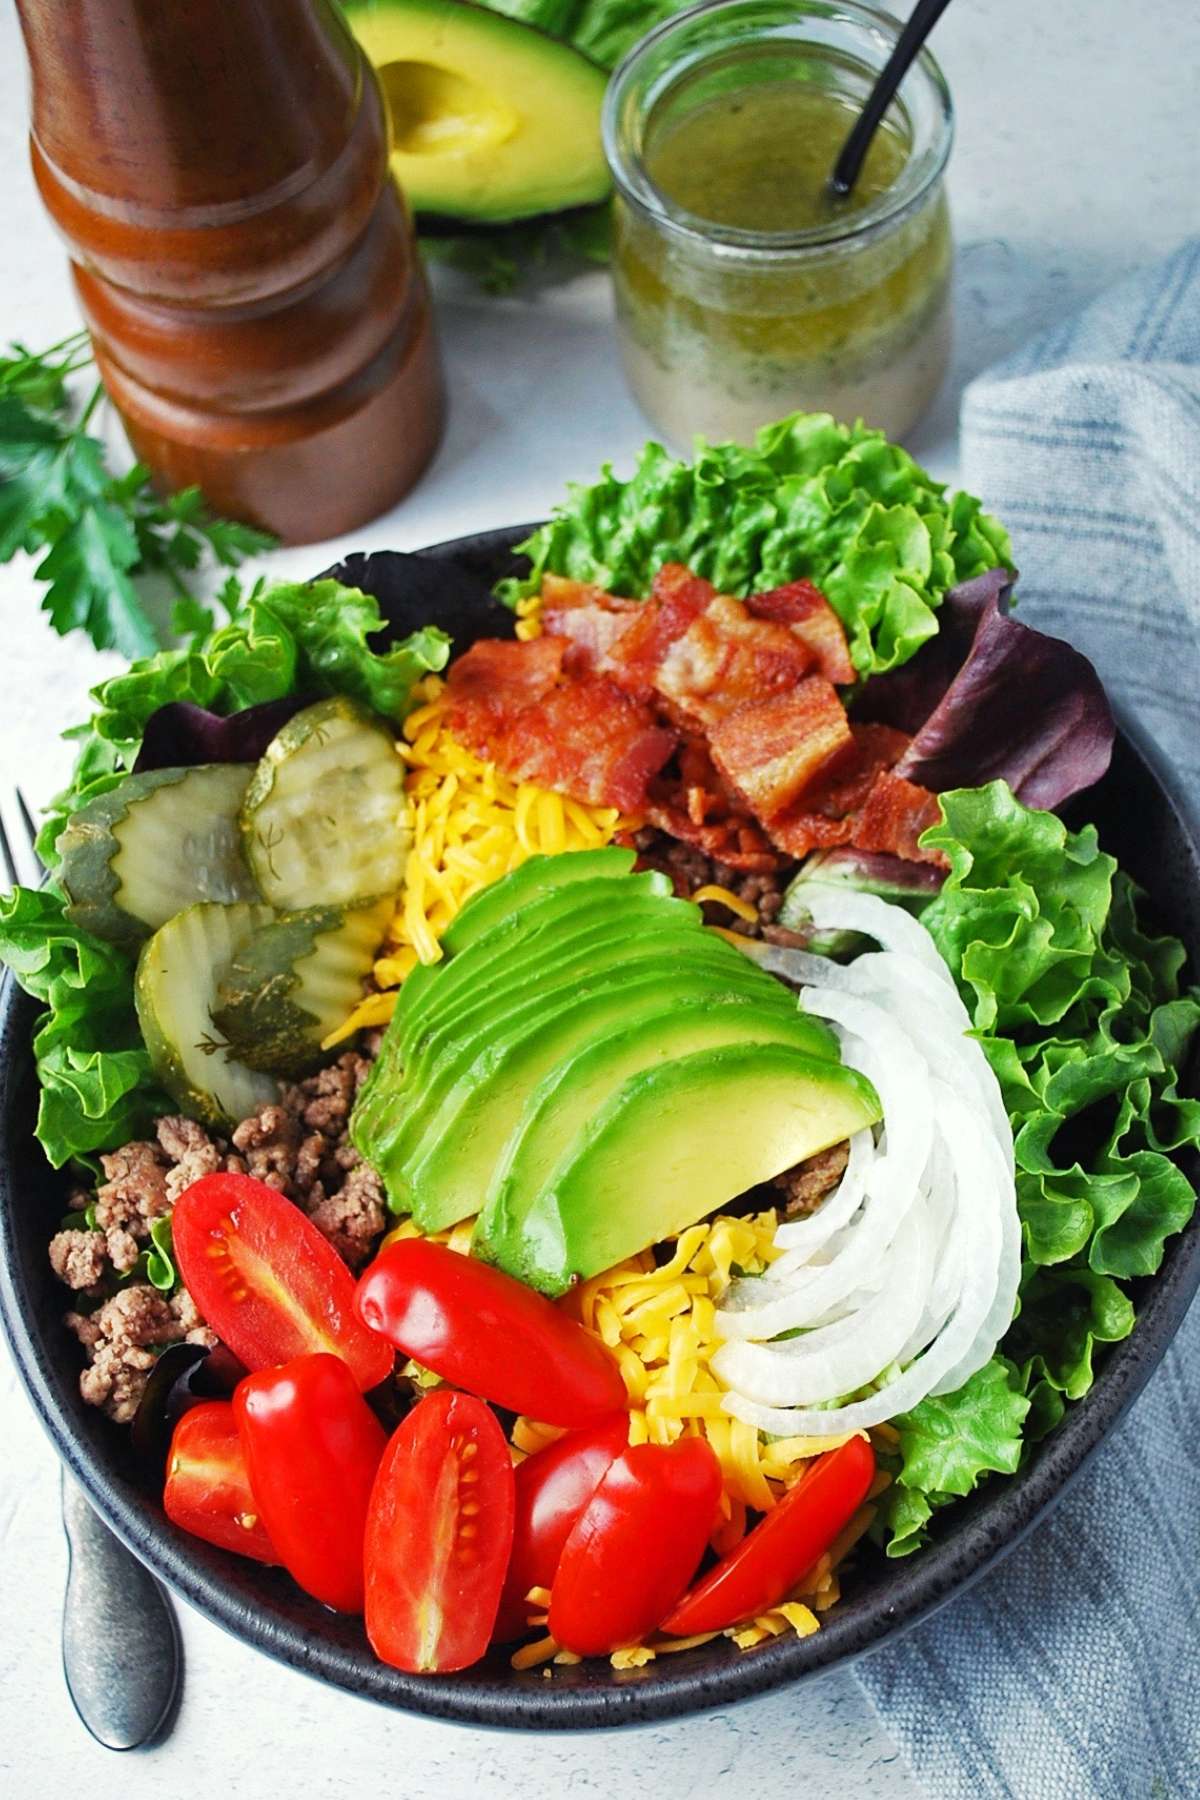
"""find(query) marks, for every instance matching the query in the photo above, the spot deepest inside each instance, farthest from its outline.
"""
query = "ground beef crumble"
(805, 1186)
(299, 1145)
(122, 1339)
(690, 869)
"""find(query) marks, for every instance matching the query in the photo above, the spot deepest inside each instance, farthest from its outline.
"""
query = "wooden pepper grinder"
(245, 263)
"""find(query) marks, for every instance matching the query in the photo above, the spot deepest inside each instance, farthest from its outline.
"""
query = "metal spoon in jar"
(846, 169)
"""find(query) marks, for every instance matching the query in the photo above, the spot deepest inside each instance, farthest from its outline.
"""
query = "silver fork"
(120, 1638)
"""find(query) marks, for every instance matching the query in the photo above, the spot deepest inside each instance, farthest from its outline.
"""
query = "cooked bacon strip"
(896, 813)
(763, 762)
(589, 740)
(591, 619)
(497, 676)
(724, 660)
(846, 786)
(772, 750)
(678, 598)
(798, 832)
(581, 736)
(806, 612)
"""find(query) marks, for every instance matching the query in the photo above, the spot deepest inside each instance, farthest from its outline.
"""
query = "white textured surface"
(1076, 162)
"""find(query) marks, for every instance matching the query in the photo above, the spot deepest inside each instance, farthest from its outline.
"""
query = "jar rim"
(921, 171)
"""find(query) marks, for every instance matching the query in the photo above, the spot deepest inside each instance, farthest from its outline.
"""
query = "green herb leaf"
(100, 533)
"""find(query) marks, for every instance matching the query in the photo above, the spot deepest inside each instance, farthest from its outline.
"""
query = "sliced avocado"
(500, 900)
(462, 1140)
(526, 947)
(572, 1093)
(530, 881)
(672, 1145)
(410, 1055)
(492, 119)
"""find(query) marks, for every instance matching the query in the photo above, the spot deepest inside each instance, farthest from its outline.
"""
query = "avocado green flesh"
(533, 878)
(502, 900)
(608, 958)
(670, 1146)
(515, 939)
(485, 1107)
(559, 1110)
(527, 967)
(399, 1098)
(492, 120)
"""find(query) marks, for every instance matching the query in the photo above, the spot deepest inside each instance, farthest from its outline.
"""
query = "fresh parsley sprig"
(101, 534)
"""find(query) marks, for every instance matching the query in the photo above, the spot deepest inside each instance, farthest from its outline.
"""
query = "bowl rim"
(986, 1526)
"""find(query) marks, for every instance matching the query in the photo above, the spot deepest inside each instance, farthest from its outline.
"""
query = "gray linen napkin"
(1073, 1671)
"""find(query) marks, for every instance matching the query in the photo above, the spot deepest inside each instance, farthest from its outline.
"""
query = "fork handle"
(120, 1639)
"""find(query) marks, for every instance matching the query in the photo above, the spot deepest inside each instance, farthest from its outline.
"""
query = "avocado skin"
(548, 161)
(671, 1146)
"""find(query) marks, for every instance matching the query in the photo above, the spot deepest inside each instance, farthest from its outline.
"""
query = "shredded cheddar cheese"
(732, 902)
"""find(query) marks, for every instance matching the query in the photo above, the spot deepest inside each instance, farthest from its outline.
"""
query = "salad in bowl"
(598, 1106)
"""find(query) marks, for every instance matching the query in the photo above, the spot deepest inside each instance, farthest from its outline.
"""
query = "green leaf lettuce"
(97, 1090)
(834, 503)
(1079, 1011)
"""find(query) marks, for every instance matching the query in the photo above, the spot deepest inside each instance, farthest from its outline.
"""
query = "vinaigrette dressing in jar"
(744, 291)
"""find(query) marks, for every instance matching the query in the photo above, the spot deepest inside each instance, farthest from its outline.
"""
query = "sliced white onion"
(905, 1278)
(804, 1237)
(832, 907)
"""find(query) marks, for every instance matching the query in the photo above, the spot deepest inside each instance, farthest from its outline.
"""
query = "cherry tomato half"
(312, 1447)
(478, 1328)
(207, 1490)
(266, 1281)
(783, 1546)
(635, 1546)
(552, 1488)
(439, 1532)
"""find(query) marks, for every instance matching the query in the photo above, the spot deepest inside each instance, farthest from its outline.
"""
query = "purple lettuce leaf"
(990, 698)
(414, 589)
(181, 735)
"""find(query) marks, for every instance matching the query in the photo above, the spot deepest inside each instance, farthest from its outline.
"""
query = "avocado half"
(492, 120)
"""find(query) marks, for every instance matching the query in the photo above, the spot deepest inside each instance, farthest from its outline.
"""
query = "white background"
(1076, 161)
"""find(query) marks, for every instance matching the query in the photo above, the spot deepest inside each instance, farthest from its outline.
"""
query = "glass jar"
(723, 327)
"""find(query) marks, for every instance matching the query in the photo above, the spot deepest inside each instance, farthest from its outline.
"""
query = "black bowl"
(1144, 824)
